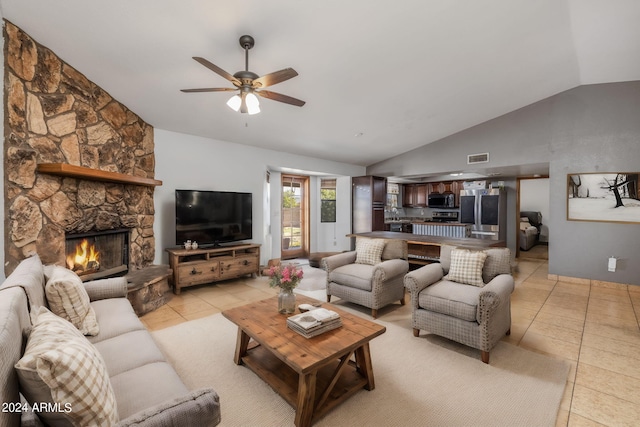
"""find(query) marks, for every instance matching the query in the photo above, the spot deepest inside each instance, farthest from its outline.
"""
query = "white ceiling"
(379, 77)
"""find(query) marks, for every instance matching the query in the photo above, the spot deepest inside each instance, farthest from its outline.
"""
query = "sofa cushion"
(451, 298)
(466, 267)
(129, 351)
(116, 317)
(353, 275)
(68, 299)
(369, 251)
(60, 366)
(146, 386)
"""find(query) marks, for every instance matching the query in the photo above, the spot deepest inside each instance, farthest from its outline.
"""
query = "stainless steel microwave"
(436, 200)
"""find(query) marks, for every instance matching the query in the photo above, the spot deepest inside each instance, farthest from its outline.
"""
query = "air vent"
(477, 158)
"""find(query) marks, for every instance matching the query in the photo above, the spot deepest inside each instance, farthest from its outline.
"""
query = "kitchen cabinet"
(415, 195)
(435, 187)
(368, 198)
(407, 195)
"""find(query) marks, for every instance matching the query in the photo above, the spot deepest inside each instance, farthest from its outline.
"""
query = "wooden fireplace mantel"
(64, 169)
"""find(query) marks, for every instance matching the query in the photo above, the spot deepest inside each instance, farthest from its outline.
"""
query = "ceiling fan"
(249, 84)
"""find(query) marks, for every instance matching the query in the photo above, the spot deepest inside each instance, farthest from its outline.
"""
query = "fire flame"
(85, 257)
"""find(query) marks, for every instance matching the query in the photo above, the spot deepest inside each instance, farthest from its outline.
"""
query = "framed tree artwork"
(610, 197)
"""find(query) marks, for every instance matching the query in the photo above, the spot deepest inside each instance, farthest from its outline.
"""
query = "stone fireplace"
(98, 254)
(55, 116)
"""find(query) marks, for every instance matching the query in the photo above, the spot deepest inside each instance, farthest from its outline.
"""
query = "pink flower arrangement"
(286, 277)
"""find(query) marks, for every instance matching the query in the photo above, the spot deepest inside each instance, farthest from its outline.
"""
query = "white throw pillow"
(466, 267)
(369, 251)
(61, 368)
(68, 298)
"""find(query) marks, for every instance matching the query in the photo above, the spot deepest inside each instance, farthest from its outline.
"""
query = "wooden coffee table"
(313, 375)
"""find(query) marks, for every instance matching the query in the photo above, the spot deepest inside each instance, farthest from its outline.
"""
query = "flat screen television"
(212, 217)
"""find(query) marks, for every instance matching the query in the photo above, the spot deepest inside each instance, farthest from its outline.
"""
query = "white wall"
(534, 196)
(191, 162)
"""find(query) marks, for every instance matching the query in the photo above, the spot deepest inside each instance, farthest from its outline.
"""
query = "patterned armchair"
(371, 276)
(465, 298)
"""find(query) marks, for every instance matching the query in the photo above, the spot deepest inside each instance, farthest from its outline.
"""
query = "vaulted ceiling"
(379, 78)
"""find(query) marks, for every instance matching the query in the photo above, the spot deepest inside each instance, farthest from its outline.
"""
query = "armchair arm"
(495, 292)
(115, 287)
(332, 262)
(197, 408)
(389, 269)
(419, 279)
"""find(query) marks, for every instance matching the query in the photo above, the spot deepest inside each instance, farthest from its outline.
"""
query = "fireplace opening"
(98, 254)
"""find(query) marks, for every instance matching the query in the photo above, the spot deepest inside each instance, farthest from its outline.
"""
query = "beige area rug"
(419, 381)
(313, 279)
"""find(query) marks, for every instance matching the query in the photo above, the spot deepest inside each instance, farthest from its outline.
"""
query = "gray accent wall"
(591, 128)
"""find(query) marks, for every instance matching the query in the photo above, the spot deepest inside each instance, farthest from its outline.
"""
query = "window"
(327, 200)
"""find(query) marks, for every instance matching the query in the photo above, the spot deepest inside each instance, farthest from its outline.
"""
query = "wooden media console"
(199, 266)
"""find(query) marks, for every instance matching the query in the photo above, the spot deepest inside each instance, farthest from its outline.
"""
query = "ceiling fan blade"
(280, 97)
(274, 78)
(210, 89)
(218, 70)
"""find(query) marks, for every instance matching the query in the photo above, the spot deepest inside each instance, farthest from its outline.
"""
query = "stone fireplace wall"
(54, 114)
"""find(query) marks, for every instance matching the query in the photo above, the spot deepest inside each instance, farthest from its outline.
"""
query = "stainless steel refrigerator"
(486, 211)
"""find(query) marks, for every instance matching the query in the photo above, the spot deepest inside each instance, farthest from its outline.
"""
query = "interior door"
(295, 217)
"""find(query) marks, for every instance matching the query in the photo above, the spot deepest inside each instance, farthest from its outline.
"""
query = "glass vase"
(286, 301)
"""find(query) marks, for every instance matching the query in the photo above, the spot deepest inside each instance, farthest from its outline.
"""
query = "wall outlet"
(612, 264)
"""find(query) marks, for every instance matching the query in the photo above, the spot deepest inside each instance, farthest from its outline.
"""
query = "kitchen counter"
(426, 249)
(432, 240)
(457, 224)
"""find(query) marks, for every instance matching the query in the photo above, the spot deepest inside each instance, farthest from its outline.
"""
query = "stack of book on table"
(314, 322)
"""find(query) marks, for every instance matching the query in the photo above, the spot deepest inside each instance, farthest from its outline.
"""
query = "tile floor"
(592, 325)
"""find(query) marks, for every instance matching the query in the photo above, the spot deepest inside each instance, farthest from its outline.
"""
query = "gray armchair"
(373, 286)
(476, 316)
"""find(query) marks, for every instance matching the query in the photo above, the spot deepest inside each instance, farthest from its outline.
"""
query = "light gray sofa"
(147, 389)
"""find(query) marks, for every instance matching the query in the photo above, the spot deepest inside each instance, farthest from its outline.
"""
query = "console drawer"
(233, 267)
(198, 273)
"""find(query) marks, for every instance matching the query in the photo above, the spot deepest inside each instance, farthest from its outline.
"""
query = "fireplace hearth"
(98, 254)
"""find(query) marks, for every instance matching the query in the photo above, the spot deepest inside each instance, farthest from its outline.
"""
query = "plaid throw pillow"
(68, 298)
(369, 251)
(61, 366)
(466, 267)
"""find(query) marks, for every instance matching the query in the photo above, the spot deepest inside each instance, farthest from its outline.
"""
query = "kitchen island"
(424, 250)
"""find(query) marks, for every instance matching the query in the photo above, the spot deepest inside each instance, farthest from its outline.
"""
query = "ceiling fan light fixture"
(234, 102)
(253, 105)
(247, 81)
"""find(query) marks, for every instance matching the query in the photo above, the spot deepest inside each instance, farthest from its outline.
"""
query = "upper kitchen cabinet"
(435, 187)
(450, 187)
(368, 198)
(415, 195)
(444, 187)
